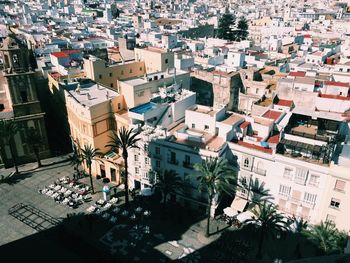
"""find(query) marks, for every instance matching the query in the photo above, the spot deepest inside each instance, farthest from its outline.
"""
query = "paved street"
(24, 211)
(23, 188)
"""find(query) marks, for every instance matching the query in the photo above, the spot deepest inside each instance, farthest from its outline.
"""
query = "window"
(341, 69)
(137, 170)
(246, 163)
(330, 218)
(136, 157)
(158, 163)
(301, 176)
(348, 70)
(140, 68)
(335, 203)
(157, 150)
(111, 85)
(100, 76)
(155, 77)
(187, 159)
(145, 147)
(206, 127)
(130, 71)
(122, 72)
(309, 198)
(166, 61)
(172, 157)
(339, 186)
(110, 74)
(24, 96)
(119, 106)
(288, 173)
(162, 76)
(314, 180)
(193, 126)
(284, 190)
(146, 160)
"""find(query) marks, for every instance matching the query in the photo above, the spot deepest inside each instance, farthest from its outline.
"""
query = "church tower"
(20, 86)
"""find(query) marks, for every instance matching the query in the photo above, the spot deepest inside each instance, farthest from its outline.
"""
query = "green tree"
(8, 129)
(257, 193)
(226, 23)
(88, 154)
(242, 30)
(77, 158)
(34, 140)
(268, 221)
(124, 140)
(298, 225)
(216, 176)
(169, 183)
(326, 237)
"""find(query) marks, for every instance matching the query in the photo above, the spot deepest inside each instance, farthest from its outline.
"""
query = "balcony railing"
(309, 204)
(157, 156)
(244, 167)
(259, 171)
(187, 165)
(173, 161)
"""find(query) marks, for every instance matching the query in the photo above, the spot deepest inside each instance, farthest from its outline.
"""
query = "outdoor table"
(125, 213)
(147, 213)
(49, 193)
(106, 215)
(91, 209)
(147, 230)
(67, 193)
(44, 191)
(116, 209)
(58, 187)
(113, 200)
(113, 219)
(63, 190)
(139, 209)
(133, 217)
(52, 186)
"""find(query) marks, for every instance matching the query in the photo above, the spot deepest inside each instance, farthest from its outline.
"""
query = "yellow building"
(156, 59)
(91, 108)
(109, 74)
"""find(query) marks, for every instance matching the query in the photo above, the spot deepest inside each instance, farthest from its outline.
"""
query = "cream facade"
(155, 59)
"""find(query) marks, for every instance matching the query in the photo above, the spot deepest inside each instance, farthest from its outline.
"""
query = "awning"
(230, 212)
(244, 216)
(238, 204)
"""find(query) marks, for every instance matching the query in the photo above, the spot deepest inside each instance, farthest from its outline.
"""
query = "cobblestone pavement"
(23, 188)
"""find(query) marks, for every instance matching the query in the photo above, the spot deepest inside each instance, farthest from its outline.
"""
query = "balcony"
(187, 165)
(259, 171)
(245, 167)
(157, 156)
(173, 161)
(309, 204)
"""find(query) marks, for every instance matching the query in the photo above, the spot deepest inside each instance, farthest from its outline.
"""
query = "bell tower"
(22, 93)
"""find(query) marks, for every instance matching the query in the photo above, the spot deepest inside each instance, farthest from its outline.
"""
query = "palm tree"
(327, 237)
(257, 193)
(34, 141)
(216, 177)
(268, 221)
(298, 225)
(168, 183)
(77, 158)
(8, 129)
(88, 154)
(123, 140)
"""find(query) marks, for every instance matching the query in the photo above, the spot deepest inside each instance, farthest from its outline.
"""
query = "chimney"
(107, 95)
(88, 96)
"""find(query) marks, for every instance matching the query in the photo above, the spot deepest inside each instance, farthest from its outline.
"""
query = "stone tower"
(21, 91)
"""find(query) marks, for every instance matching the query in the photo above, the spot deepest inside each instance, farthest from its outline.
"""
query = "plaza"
(25, 213)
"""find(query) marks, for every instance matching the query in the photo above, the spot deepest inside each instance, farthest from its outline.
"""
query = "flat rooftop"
(90, 94)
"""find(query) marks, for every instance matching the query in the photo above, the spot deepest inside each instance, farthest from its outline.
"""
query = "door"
(113, 175)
